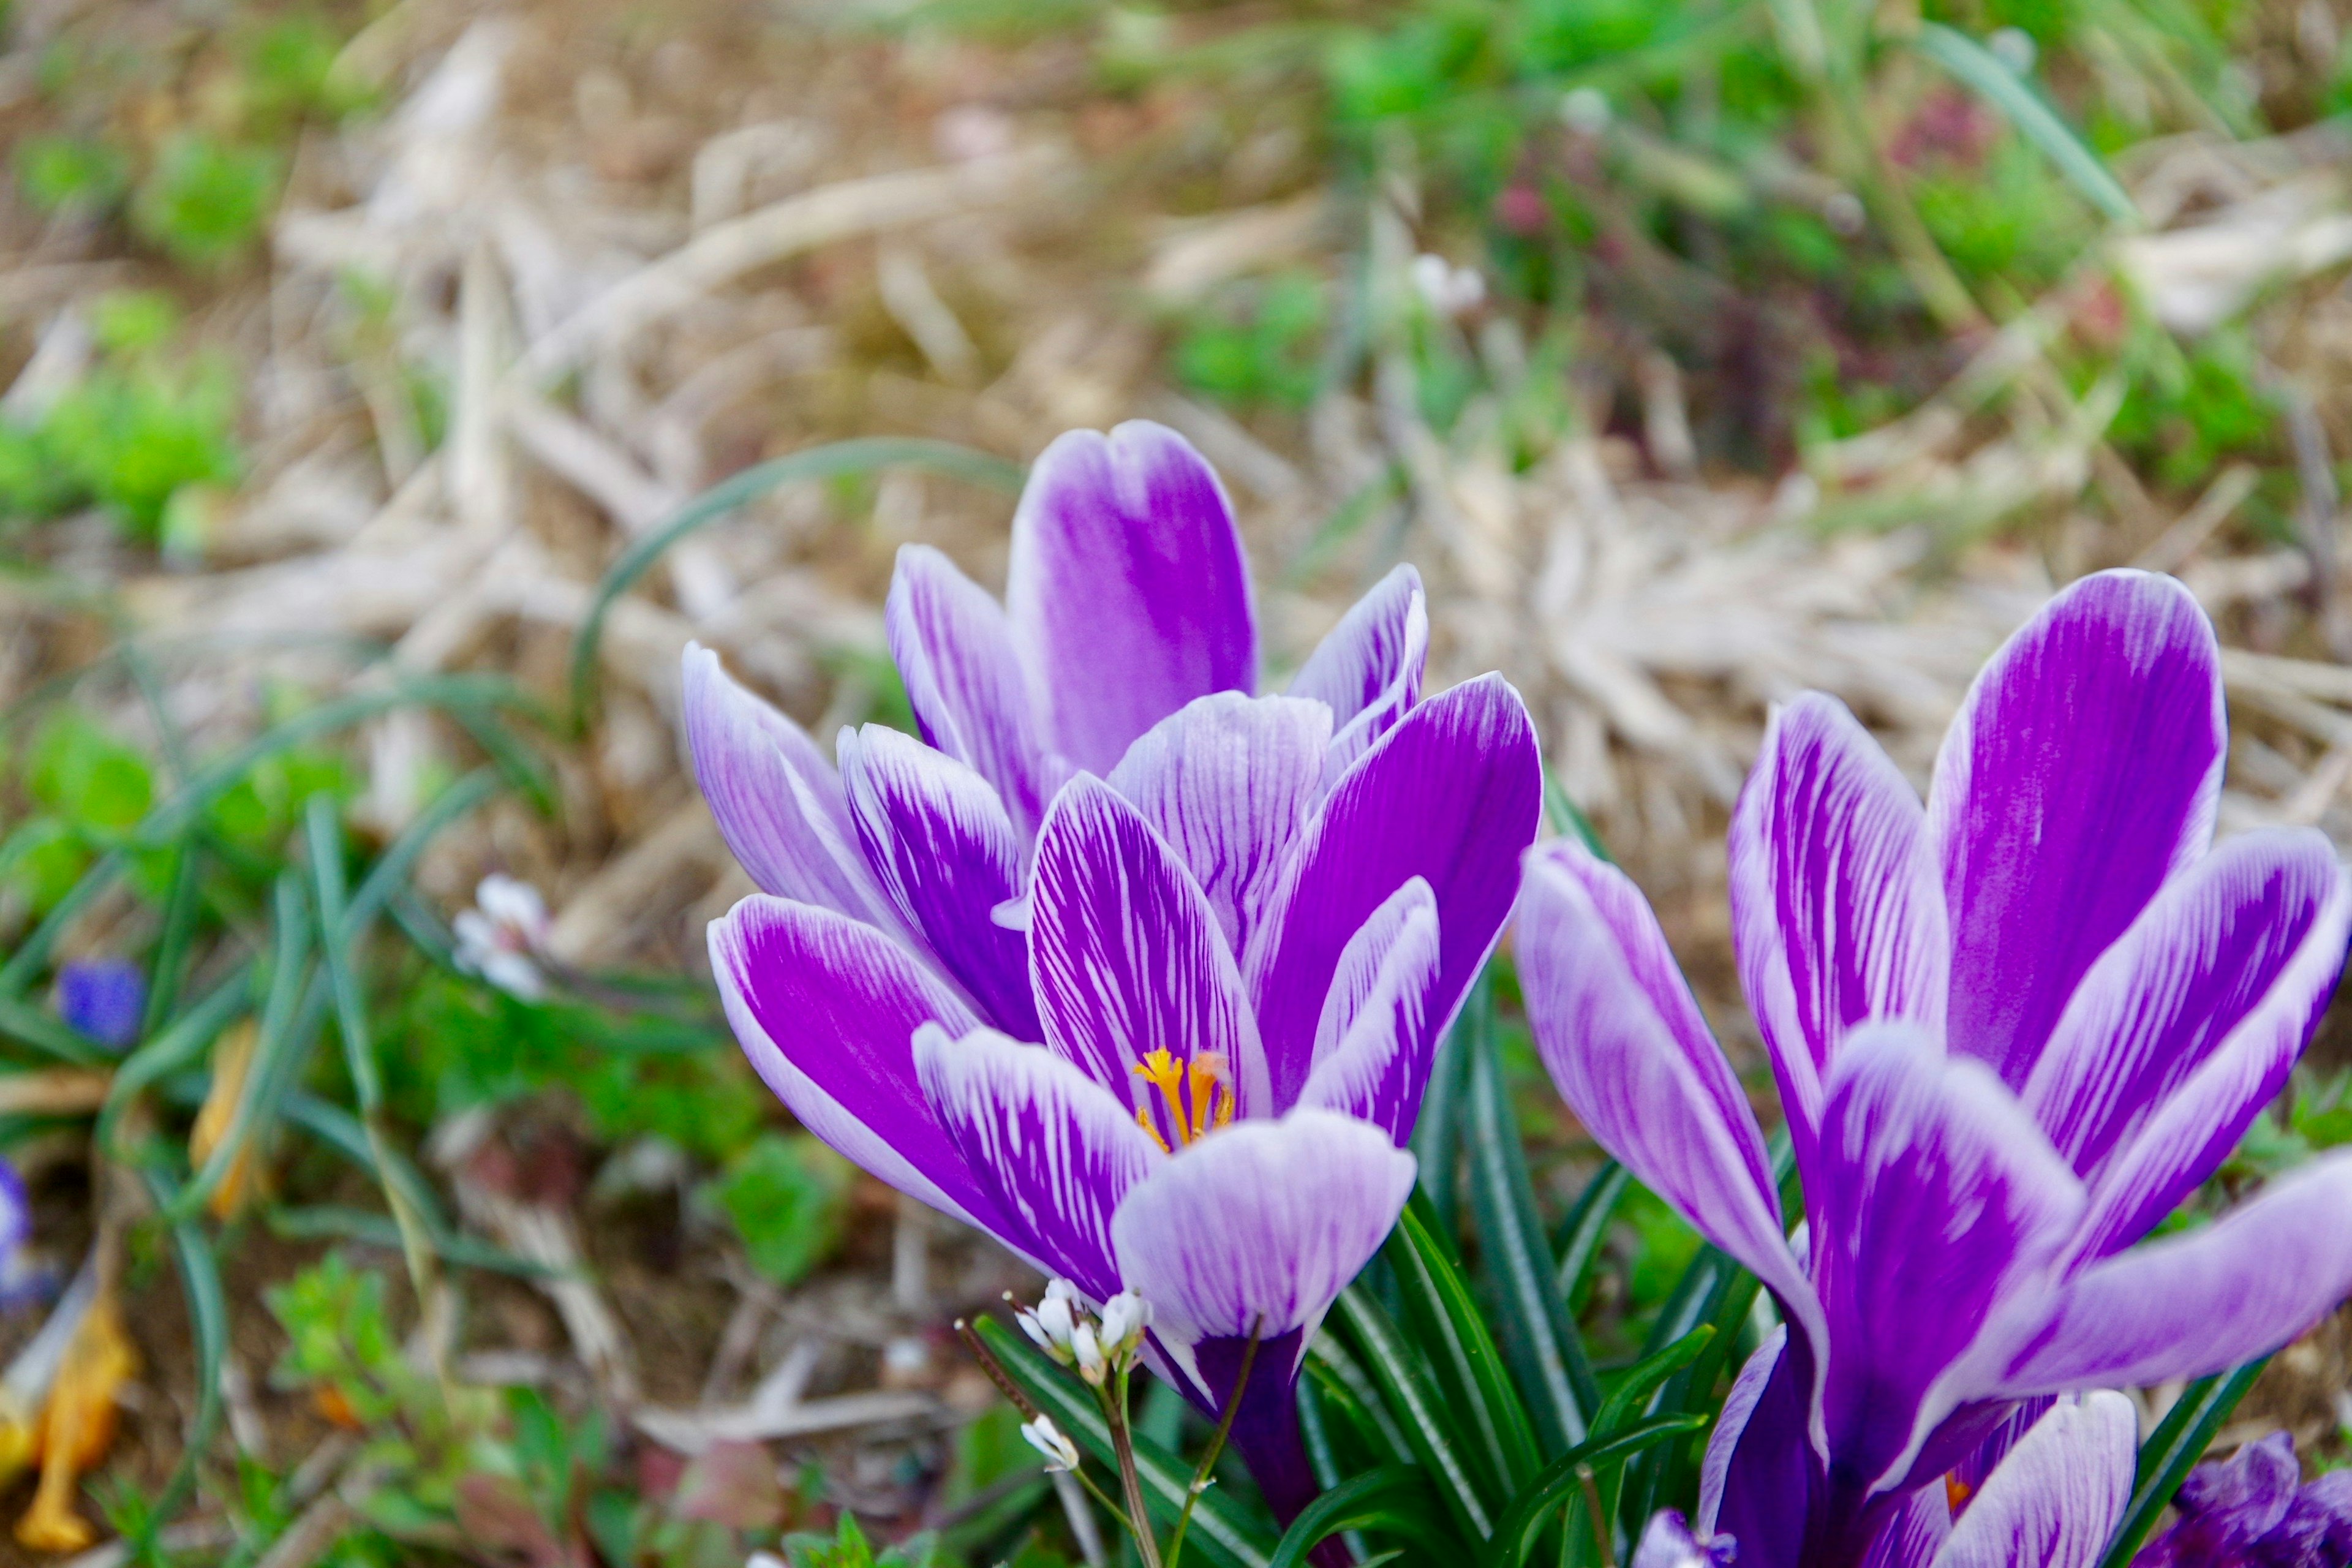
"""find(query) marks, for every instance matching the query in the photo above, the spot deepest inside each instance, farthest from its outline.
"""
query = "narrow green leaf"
(2015, 99)
(1645, 1377)
(275, 1052)
(1433, 1147)
(168, 970)
(1469, 1365)
(21, 1021)
(200, 1281)
(33, 954)
(172, 1049)
(329, 1221)
(1587, 1226)
(1566, 818)
(343, 1132)
(1508, 1547)
(1347, 1386)
(2173, 1449)
(1411, 1396)
(1394, 1499)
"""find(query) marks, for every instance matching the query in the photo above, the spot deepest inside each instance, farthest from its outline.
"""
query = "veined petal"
(1625, 1046)
(827, 1010)
(1229, 782)
(1367, 669)
(1126, 955)
(1835, 908)
(956, 652)
(1939, 1206)
(1127, 589)
(1452, 795)
(1260, 1227)
(2082, 774)
(948, 856)
(2248, 942)
(1374, 1046)
(1757, 1482)
(1057, 1151)
(1914, 1532)
(2056, 1499)
(778, 801)
(2195, 1304)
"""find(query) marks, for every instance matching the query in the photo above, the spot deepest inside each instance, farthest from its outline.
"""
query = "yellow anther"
(1190, 1092)
(1143, 1119)
(1161, 1069)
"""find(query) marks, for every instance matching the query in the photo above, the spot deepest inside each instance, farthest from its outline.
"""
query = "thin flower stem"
(1592, 1506)
(1122, 1444)
(1216, 1443)
(979, 1352)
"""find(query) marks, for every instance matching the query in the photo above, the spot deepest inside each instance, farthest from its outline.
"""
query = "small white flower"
(1087, 1350)
(1124, 1318)
(1448, 289)
(1586, 111)
(1047, 1438)
(502, 935)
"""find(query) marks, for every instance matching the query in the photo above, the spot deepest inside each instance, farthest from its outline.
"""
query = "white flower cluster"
(502, 937)
(1096, 1345)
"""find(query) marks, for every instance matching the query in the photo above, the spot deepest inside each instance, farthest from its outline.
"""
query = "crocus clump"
(2255, 1510)
(1136, 971)
(2011, 1029)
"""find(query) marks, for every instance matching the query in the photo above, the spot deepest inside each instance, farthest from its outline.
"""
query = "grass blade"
(1413, 1398)
(282, 1028)
(1468, 1363)
(2173, 1449)
(1508, 1547)
(1587, 1226)
(1395, 1498)
(1985, 74)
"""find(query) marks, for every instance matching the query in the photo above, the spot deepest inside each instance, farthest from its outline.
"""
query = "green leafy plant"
(787, 1197)
(204, 200)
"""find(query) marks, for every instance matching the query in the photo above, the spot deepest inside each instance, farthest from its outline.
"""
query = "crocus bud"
(1047, 1438)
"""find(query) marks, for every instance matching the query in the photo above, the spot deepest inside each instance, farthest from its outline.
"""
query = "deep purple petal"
(1367, 669)
(1374, 1046)
(2057, 1496)
(938, 837)
(1127, 589)
(2083, 772)
(1257, 1228)
(1939, 1204)
(2246, 942)
(1230, 782)
(955, 651)
(1453, 796)
(779, 804)
(1126, 955)
(1836, 912)
(1914, 1532)
(2197, 1303)
(1626, 1047)
(104, 998)
(827, 1009)
(1057, 1151)
(1759, 1477)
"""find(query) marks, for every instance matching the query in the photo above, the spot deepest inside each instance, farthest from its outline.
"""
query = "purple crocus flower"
(1135, 971)
(104, 998)
(2011, 1030)
(2255, 1511)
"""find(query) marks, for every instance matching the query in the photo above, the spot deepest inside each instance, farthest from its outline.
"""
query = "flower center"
(1192, 1092)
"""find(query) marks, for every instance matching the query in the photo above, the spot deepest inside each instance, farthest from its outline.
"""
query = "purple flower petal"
(2194, 1304)
(104, 998)
(1914, 1532)
(2057, 1496)
(2246, 943)
(1374, 1046)
(1667, 1542)
(1626, 1047)
(1260, 1227)
(1230, 782)
(1125, 953)
(827, 1010)
(938, 837)
(2083, 772)
(778, 801)
(1127, 588)
(1452, 795)
(1835, 908)
(1367, 669)
(1938, 1202)
(1759, 1472)
(1057, 1151)
(957, 654)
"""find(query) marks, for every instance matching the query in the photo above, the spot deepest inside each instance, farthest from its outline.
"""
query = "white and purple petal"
(1127, 590)
(827, 1009)
(1374, 1046)
(1230, 782)
(1452, 794)
(1126, 955)
(2083, 772)
(2058, 1495)
(1367, 669)
(947, 854)
(1057, 1151)
(956, 652)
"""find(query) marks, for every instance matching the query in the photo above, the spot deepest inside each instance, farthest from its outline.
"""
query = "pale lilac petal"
(1667, 1542)
(1127, 589)
(2056, 1498)
(1915, 1533)
(955, 651)
(2246, 942)
(947, 855)
(1938, 1205)
(1836, 912)
(1625, 1044)
(1374, 1047)
(778, 801)
(1452, 794)
(1260, 1227)
(1126, 955)
(1757, 1482)
(1229, 782)
(1056, 1151)
(2083, 772)
(2195, 1304)
(827, 1009)
(1367, 669)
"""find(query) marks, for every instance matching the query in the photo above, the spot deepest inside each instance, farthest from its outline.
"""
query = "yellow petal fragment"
(77, 1427)
(231, 1061)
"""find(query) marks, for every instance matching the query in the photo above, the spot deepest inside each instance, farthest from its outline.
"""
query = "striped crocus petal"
(2058, 1495)
(1367, 669)
(1374, 1047)
(1127, 590)
(1757, 1482)
(779, 804)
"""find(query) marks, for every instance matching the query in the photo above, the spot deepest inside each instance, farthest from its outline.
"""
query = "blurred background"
(355, 358)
